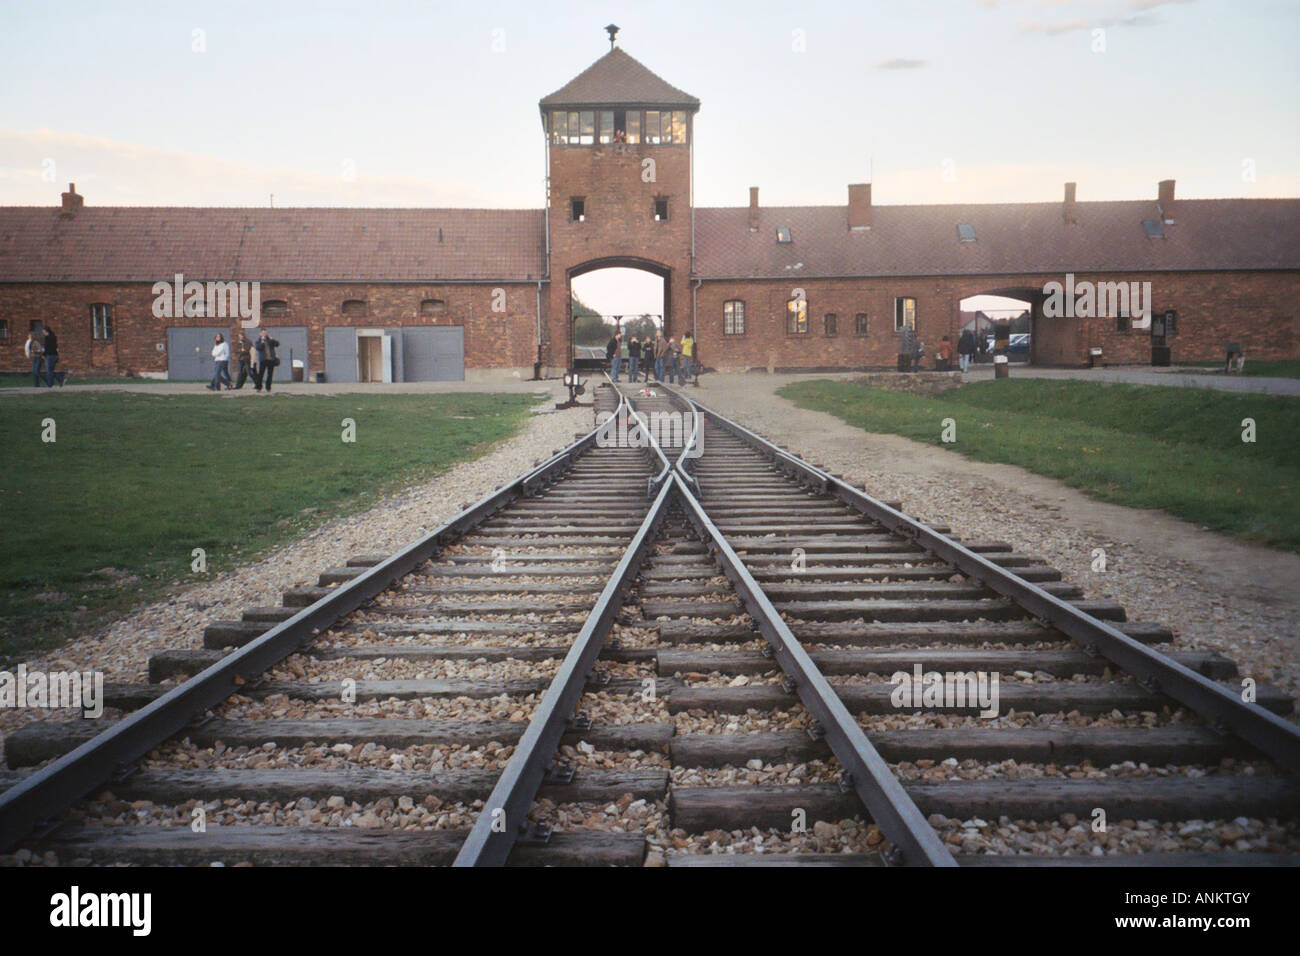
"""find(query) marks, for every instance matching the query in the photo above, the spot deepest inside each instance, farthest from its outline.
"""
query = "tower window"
(733, 317)
(588, 136)
(577, 209)
(860, 324)
(634, 126)
(607, 126)
(652, 127)
(831, 322)
(796, 317)
(661, 210)
(101, 322)
(559, 128)
(904, 314)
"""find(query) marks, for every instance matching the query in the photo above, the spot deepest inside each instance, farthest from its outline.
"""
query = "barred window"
(101, 321)
(4, 329)
(733, 317)
(831, 322)
(860, 324)
(796, 317)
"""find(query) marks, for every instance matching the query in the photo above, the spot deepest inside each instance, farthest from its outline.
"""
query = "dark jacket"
(611, 349)
(966, 344)
(265, 349)
(51, 344)
(634, 349)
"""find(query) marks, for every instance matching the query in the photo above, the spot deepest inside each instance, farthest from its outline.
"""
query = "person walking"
(51, 346)
(906, 348)
(221, 363)
(965, 348)
(613, 354)
(267, 360)
(633, 359)
(34, 348)
(688, 353)
(244, 352)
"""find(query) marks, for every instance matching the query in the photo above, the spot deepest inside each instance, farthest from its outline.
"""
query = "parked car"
(1018, 346)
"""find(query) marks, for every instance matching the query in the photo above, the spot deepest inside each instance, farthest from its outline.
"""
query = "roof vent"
(965, 232)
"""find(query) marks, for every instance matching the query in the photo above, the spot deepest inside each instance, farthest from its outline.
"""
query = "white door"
(388, 358)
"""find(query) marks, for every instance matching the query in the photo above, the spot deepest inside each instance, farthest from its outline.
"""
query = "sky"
(402, 103)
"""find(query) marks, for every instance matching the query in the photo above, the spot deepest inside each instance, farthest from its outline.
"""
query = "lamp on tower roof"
(612, 30)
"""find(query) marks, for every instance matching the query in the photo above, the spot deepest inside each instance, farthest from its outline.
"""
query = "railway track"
(677, 653)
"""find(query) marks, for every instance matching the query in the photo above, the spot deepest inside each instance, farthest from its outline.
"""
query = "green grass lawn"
(1176, 449)
(107, 516)
(24, 380)
(1278, 368)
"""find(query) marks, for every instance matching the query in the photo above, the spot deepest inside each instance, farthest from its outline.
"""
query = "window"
(831, 324)
(634, 126)
(354, 306)
(559, 129)
(679, 127)
(606, 126)
(574, 125)
(1171, 323)
(588, 120)
(432, 306)
(904, 314)
(661, 210)
(652, 127)
(783, 234)
(796, 317)
(577, 209)
(275, 307)
(733, 317)
(4, 330)
(101, 322)
(1122, 322)
(860, 324)
(965, 232)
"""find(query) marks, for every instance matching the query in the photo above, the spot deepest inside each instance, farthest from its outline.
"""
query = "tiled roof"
(140, 243)
(618, 79)
(1211, 234)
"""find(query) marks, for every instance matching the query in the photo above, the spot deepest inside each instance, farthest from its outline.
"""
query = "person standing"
(613, 355)
(267, 360)
(661, 354)
(52, 359)
(244, 352)
(35, 350)
(906, 348)
(633, 359)
(688, 352)
(965, 348)
(945, 354)
(220, 363)
(918, 353)
(674, 361)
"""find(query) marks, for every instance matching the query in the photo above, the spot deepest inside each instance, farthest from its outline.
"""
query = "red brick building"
(411, 294)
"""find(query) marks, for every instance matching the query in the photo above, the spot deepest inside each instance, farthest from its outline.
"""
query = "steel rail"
(1226, 710)
(864, 770)
(503, 818)
(49, 791)
(653, 483)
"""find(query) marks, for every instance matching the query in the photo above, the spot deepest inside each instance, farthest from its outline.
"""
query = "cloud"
(901, 63)
(39, 164)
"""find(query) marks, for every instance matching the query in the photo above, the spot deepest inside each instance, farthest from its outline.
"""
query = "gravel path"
(1215, 592)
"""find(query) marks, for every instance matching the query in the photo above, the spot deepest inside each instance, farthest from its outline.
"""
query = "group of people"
(671, 361)
(911, 351)
(257, 359)
(42, 349)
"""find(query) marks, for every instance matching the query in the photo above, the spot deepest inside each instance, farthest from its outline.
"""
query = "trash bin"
(1001, 366)
(299, 371)
(1094, 357)
(1160, 355)
(320, 376)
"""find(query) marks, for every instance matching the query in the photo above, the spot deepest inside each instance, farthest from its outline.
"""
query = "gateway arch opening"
(609, 299)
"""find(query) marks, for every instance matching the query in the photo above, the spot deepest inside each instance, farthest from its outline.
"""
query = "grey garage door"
(340, 354)
(293, 348)
(434, 353)
(189, 352)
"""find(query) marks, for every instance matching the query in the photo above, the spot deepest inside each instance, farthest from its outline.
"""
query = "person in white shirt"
(221, 360)
(35, 351)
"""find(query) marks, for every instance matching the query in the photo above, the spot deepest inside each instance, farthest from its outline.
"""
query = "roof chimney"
(71, 201)
(1071, 208)
(753, 209)
(1166, 200)
(859, 205)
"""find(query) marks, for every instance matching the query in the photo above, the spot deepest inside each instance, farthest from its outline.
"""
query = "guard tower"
(619, 143)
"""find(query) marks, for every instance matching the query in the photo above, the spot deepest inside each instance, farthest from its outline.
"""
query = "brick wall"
(620, 226)
(492, 339)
